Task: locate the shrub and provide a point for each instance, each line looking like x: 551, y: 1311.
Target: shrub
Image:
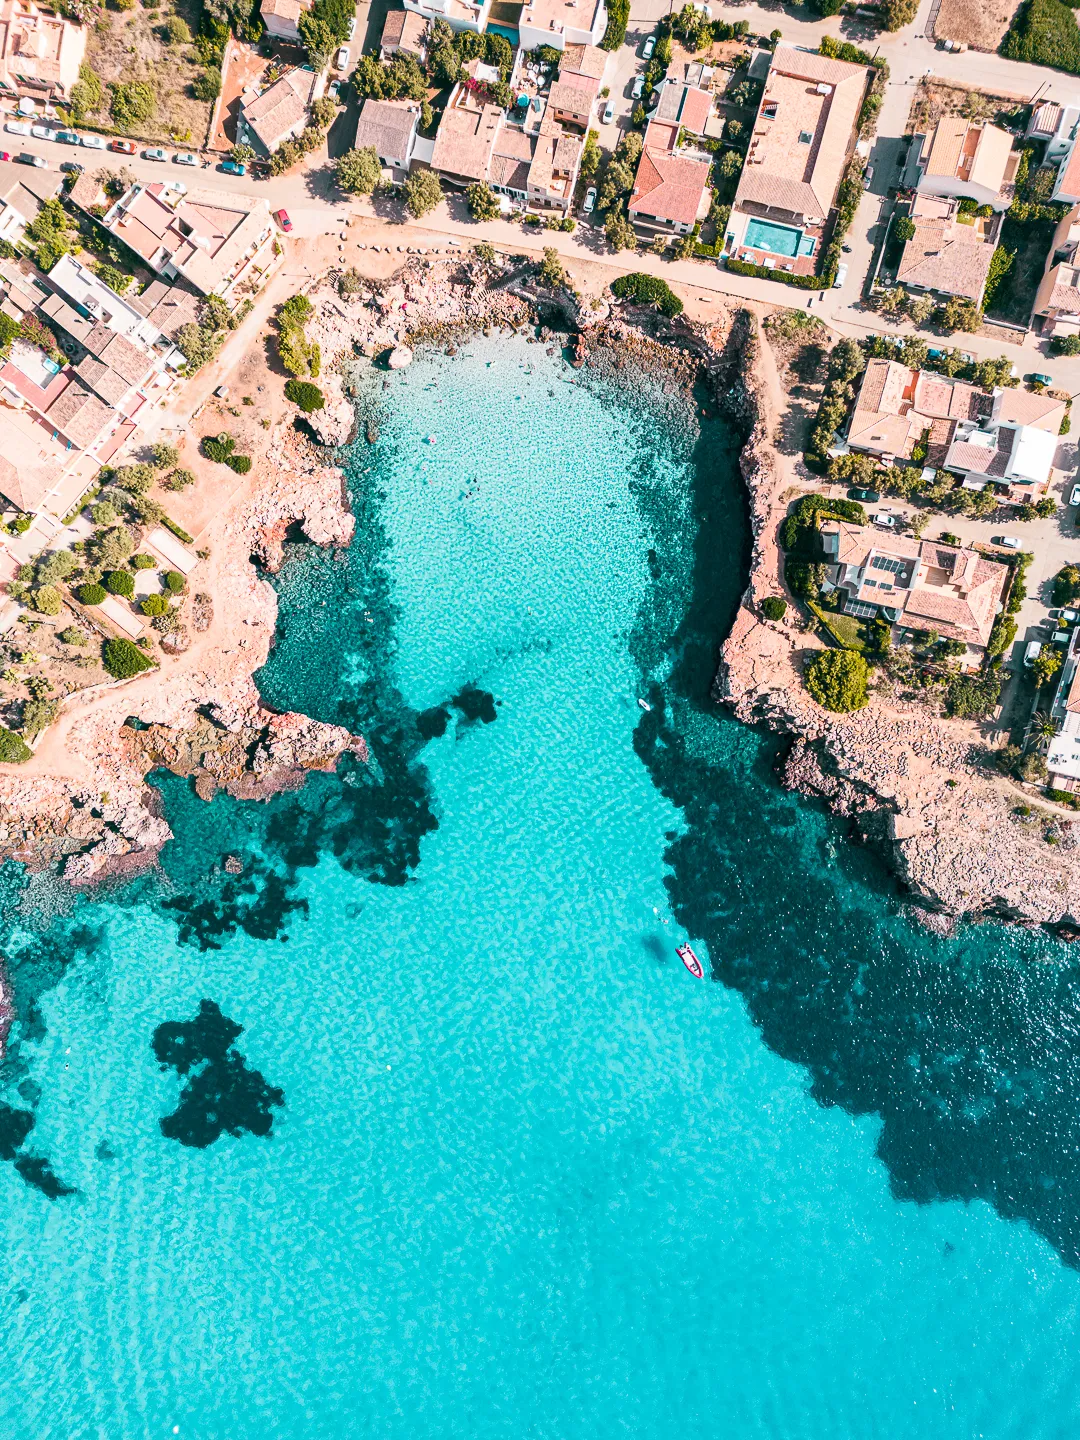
x: 135, y: 479
x: 154, y: 605
x: 973, y: 697
x: 240, y: 463
x: 207, y: 85
x: 120, y: 582
x: 837, y: 680
x: 305, y: 395
x: 358, y: 172
x: 72, y: 635
x: 179, y: 480
x: 218, y: 447
x: 422, y: 193
x: 482, y: 201
x: 37, y: 715
x: 1066, y: 585
x: 177, y: 31
x: 46, y: 600
x: 142, y: 562
x: 13, y: 749
x: 1065, y: 345
x: 904, y: 229
x: 618, y: 231
x: 645, y: 289
x: 1001, y: 636
x: 173, y: 581
x: 1044, y: 32
x: 104, y: 513
x: 618, y: 19
x: 90, y: 594
x: 551, y: 272
x: 773, y: 607
x: 163, y: 456
x: 898, y: 13
x: 134, y: 102
x: 122, y: 659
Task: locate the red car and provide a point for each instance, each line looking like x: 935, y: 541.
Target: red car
x: 123, y: 147
x: 282, y: 218
x: 4, y: 155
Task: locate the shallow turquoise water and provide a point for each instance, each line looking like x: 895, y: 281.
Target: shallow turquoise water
x: 529, y: 1177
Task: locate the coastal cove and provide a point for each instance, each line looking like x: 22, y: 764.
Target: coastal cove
x: 492, y: 1160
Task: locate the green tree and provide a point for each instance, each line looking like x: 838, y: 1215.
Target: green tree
x: 958, y: 314
x: 164, y: 456
x: 1045, y: 507
x: 317, y: 38
x: 122, y: 659
x: 1066, y: 585
x: 920, y: 308
x: 207, y: 85
x: 774, y: 607
x: 120, y: 582
x: 154, y: 605
x: 37, y: 715
x: 1046, y: 665
x: 898, y: 13
x: 323, y: 112
x: 482, y: 201
x: 90, y: 594
x: 306, y: 396
x: 1043, y: 729
x: 358, y: 172
x: 837, y: 680
x: 179, y: 480
x: 46, y: 600
x: 618, y: 231
x: 551, y: 272
x: 422, y: 193
x: 13, y: 749
x: 109, y: 548
x: 55, y: 565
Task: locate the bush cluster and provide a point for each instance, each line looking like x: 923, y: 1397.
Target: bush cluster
x: 1044, y: 32
x: 846, y: 364
x: 120, y: 582
x: 90, y: 594
x: 123, y: 658
x: 645, y: 289
x: 298, y: 355
x: 837, y: 680
x: 305, y: 395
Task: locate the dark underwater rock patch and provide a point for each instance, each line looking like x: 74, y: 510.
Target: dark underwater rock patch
x: 15, y: 1126
x: 474, y: 704
x: 224, y: 1094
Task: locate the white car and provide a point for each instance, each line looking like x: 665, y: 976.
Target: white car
x: 43, y: 132
x: 890, y: 522
x: 17, y: 127
x: 609, y: 112
x: 352, y: 29
x: 841, y: 276
x: 589, y: 203
x: 650, y: 46
x: 1007, y: 542
x: 93, y: 142
x: 185, y: 157
x: 341, y: 59
x: 639, y: 86
x: 1032, y: 653
x: 1074, y: 498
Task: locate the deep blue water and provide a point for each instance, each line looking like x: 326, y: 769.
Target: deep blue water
x: 418, y: 1128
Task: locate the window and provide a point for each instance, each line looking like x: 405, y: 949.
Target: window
x: 805, y: 138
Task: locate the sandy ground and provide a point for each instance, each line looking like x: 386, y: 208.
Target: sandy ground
x: 982, y: 23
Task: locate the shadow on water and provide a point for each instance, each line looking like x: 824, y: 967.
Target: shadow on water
x: 967, y: 1048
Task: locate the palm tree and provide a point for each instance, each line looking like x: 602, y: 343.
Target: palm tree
x: 1043, y: 729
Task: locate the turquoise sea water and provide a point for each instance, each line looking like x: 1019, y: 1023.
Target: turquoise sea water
x: 502, y: 1167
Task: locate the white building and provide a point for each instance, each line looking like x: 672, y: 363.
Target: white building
x: 458, y: 14
x: 560, y: 23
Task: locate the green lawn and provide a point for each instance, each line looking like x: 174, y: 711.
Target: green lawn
x: 846, y: 630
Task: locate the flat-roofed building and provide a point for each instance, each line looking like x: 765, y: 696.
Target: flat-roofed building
x: 962, y: 160
x: 949, y: 254
x: 560, y: 23
x: 404, y: 33
x: 803, y: 137
x: 212, y: 239
x: 1063, y: 755
x: 40, y: 51
x: 921, y: 583
x: 683, y: 105
x: 458, y: 14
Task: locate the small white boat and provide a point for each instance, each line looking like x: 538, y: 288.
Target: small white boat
x: 644, y: 704
x: 690, y: 960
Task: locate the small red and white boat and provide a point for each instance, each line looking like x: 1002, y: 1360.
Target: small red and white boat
x: 690, y: 960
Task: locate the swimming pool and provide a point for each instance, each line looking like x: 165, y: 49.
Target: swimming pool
x: 777, y: 239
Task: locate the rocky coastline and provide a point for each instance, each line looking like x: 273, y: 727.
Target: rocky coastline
x: 913, y: 785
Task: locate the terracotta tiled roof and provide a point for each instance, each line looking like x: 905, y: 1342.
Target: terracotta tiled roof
x: 669, y: 187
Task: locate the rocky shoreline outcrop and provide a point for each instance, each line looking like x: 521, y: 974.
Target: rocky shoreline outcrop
x: 960, y: 839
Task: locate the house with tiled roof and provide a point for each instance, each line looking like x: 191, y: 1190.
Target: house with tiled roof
x: 671, y: 192
x: 572, y: 98
x: 553, y: 171
x: 960, y: 159
x: 282, y: 18
x: 469, y: 15
x: 1007, y: 438
x: 404, y: 33
x: 1056, y: 310
x: 22, y: 198
x: 270, y: 117
x: 389, y: 127
x: 466, y: 137
x: 40, y: 51
x: 924, y: 584
x: 950, y: 253
x: 560, y: 23
x: 803, y: 138
x: 1063, y: 756
x: 682, y: 105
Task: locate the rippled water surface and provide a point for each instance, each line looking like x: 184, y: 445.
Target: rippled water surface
x: 418, y: 1128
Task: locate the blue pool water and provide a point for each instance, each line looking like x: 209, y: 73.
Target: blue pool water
x: 501, y: 1167
x: 777, y: 239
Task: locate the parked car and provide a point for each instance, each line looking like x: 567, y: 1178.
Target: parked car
x: 1037, y: 378
x: 351, y: 31
x: 650, y: 46
x: 43, y: 132
x: 609, y: 112
x: 1032, y: 651
x: 333, y: 90
x: 66, y: 137
x: 1007, y: 542
x: 590, y: 200
x: 71, y: 167
x: 841, y: 276
x: 94, y: 142
x: 1074, y: 498
x: 230, y: 167
x: 639, y: 86
x: 282, y: 218
x: 868, y: 177
x: 25, y: 158
x: 185, y: 157
x: 123, y: 147
x: 870, y: 496
x: 341, y: 59
x: 890, y: 522
x: 155, y: 154
x: 17, y: 127
x: 4, y: 155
